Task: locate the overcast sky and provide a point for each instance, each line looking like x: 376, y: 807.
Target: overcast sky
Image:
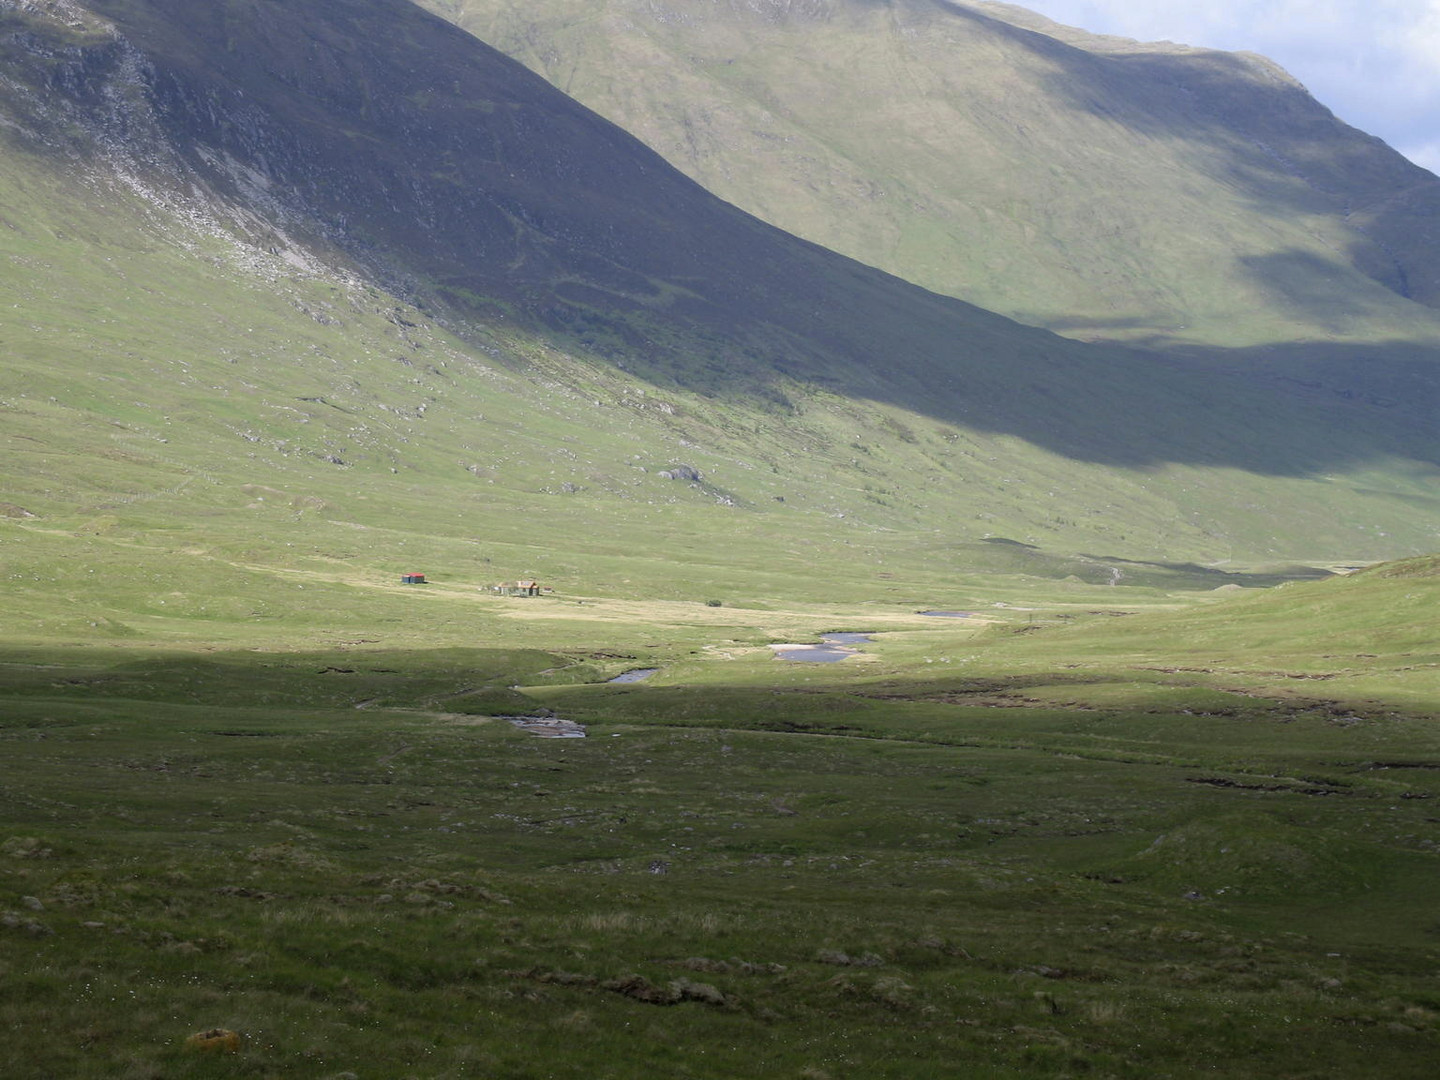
x: 1374, y: 63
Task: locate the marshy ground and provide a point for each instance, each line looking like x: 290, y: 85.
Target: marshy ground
x: 987, y: 852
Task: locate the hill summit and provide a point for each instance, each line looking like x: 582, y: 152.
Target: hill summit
x: 1102, y: 187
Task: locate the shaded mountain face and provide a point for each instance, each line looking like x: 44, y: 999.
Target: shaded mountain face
x: 368, y: 141
x: 1097, y: 186
x: 442, y: 168
x: 390, y: 139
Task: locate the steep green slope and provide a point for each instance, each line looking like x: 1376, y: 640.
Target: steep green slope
x: 254, y: 365
x: 333, y: 289
x: 1376, y: 622
x: 1097, y: 186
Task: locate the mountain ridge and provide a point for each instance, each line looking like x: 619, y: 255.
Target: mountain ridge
x: 433, y: 308
x: 845, y: 123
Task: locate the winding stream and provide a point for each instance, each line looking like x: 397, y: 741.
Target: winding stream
x: 833, y: 648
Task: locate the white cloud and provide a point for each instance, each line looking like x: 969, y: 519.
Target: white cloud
x: 1426, y: 155
x: 1374, y: 63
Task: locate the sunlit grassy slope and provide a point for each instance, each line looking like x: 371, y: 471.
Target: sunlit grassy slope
x: 1124, y: 819
x: 236, y: 341
x: 1102, y: 187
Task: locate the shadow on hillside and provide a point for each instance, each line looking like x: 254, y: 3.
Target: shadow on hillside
x: 447, y: 681
x: 1265, y: 137
x: 1292, y: 409
x: 1310, y: 288
x: 1002, y: 555
x: 452, y: 174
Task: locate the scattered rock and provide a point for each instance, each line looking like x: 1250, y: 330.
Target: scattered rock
x: 700, y: 963
x: 11, y: 920
x: 33, y: 903
x: 547, y: 727
x: 642, y: 989
x: 25, y: 847
x: 701, y: 992
x: 721, y: 967
x: 244, y: 892
x: 835, y: 956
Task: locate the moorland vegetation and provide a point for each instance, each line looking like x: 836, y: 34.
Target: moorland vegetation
x: 305, y: 297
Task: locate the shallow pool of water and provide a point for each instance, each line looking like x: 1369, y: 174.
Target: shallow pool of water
x: 638, y: 675
x: 813, y: 654
x: 835, y: 647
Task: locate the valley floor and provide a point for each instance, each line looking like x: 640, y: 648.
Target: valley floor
x: 1029, y: 846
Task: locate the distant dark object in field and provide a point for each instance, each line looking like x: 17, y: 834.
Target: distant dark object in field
x: 949, y: 614
x: 638, y: 675
x: 412, y: 579
x: 681, y: 472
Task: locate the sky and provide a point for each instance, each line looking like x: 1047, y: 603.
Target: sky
x: 1374, y: 63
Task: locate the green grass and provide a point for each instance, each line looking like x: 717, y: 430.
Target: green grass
x: 1129, y: 820
x: 1015, y: 847
x: 173, y: 385
x: 1101, y: 188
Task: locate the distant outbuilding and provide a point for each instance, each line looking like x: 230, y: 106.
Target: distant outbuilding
x: 518, y: 588
x: 412, y: 579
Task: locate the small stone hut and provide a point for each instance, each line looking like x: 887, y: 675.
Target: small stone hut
x: 518, y: 588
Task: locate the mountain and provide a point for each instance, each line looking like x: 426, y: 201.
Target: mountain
x: 332, y: 288
x: 1098, y: 186
x: 301, y: 297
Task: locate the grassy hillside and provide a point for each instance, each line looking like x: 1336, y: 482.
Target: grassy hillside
x: 1104, y: 188
x: 303, y: 297
x: 259, y: 320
